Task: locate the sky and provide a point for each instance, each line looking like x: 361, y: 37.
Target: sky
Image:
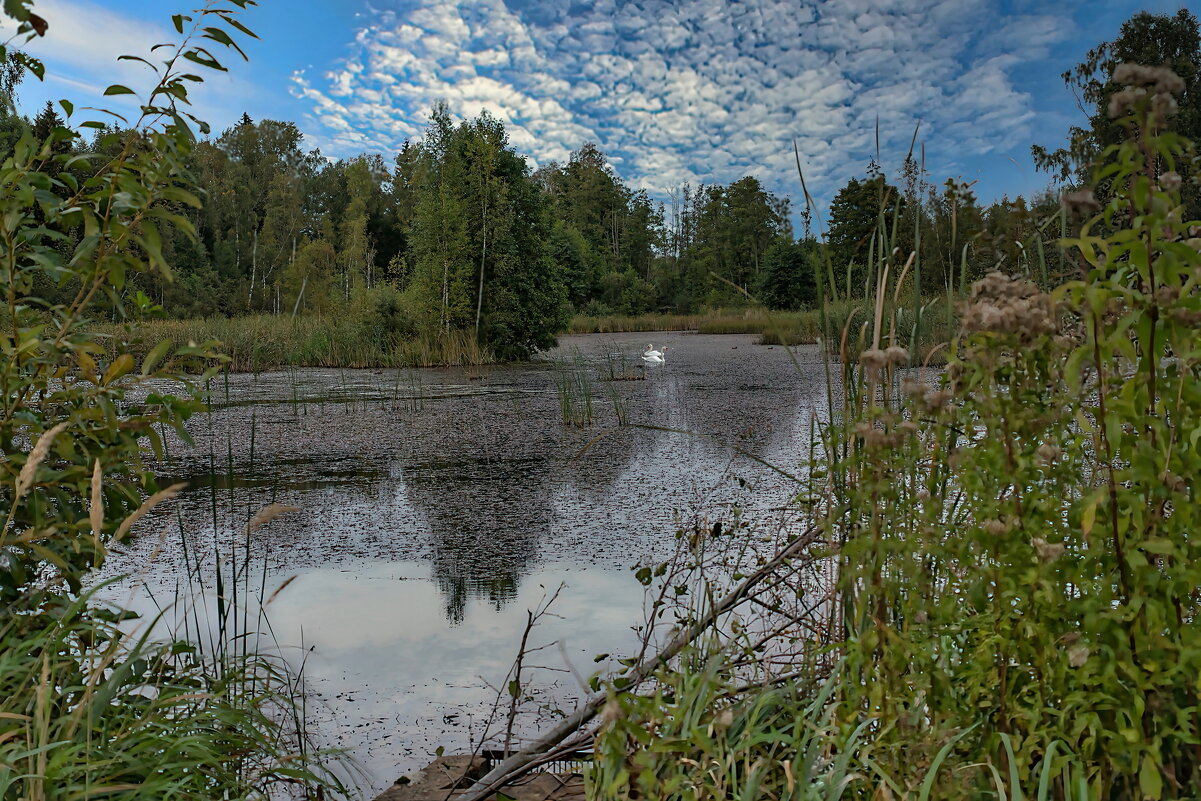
x: 673, y: 91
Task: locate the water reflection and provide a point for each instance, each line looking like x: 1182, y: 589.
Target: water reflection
x: 473, y: 487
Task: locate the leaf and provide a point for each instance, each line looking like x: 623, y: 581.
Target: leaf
x: 118, y: 89
x: 120, y: 366
x: 178, y: 20
x: 1088, y: 517
x: 155, y: 356
x: 1150, y: 782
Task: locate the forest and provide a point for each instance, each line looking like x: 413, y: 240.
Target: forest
x: 982, y: 582
x: 457, y: 233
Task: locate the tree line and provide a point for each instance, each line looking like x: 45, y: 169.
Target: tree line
x: 456, y: 231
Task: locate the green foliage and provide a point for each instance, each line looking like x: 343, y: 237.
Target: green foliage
x: 788, y: 279
x: 86, y: 709
x: 1015, y: 546
x: 1170, y: 40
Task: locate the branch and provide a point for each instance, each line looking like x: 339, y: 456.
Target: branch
x: 530, y: 756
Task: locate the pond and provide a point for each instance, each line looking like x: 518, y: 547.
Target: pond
x: 437, y: 506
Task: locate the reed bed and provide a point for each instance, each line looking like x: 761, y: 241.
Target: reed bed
x: 263, y: 342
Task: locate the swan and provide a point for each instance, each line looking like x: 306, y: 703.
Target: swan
x: 655, y: 356
x: 650, y: 351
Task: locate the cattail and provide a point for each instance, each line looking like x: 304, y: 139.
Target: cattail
x: 96, y: 512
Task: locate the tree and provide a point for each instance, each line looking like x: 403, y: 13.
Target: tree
x: 855, y: 216
x: 788, y: 280
x: 1173, y: 41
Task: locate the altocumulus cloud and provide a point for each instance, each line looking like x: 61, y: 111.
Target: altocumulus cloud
x: 693, y: 90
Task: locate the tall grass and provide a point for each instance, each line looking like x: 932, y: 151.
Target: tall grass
x: 1012, y: 596
x: 263, y: 342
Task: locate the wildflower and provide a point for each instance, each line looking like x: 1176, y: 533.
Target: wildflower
x: 1170, y: 181
x: 1048, y: 453
x: 896, y: 355
x: 873, y: 359
x: 1140, y: 81
x: 1161, y: 79
x: 995, y: 527
x: 1009, y: 305
x: 1047, y: 551
x: 1080, y: 203
x: 1121, y: 103
x: 1078, y: 655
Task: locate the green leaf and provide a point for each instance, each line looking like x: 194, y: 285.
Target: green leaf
x: 118, y: 89
x: 122, y: 365
x: 1150, y: 781
x: 155, y: 356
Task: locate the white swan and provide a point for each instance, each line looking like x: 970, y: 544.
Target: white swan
x: 651, y: 352
x: 655, y: 356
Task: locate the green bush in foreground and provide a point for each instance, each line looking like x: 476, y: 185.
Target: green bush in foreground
x: 88, y: 709
x: 1015, y: 610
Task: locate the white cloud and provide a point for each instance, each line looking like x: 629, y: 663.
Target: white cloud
x: 81, y: 49
x: 694, y: 90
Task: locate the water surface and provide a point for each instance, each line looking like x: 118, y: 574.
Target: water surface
x: 436, y: 506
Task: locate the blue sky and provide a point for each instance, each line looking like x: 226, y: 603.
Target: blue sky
x: 672, y: 90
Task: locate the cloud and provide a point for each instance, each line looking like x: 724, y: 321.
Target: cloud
x: 693, y: 90
x: 81, y: 51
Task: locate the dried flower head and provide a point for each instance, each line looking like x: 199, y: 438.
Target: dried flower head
x: 1170, y: 181
x: 896, y: 355
x: 1048, y: 453
x: 937, y: 398
x: 1080, y: 203
x: 873, y: 359
x: 1173, y: 482
x: 1047, y: 551
x: 1009, y: 305
x: 1078, y: 655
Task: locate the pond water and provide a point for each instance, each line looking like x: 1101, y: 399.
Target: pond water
x: 437, y: 506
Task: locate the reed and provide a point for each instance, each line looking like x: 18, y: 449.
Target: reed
x: 264, y: 342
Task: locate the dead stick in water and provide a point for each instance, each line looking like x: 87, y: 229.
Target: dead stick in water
x: 528, y: 758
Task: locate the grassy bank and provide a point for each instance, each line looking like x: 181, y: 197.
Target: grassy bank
x: 263, y: 342
x: 787, y: 327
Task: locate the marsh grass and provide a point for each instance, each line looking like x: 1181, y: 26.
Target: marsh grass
x: 264, y: 342
x: 574, y: 387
